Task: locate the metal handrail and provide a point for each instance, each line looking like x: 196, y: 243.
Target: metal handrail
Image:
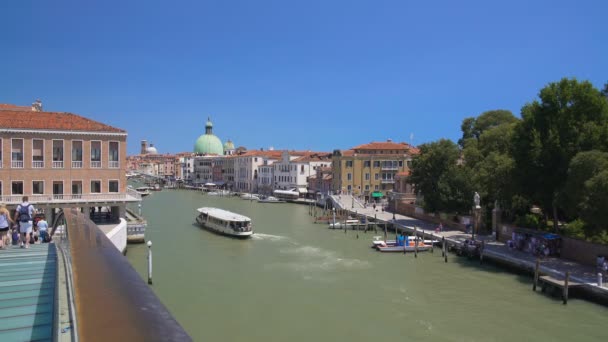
x: 113, y: 303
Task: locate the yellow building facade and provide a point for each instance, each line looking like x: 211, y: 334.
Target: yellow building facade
x: 369, y: 170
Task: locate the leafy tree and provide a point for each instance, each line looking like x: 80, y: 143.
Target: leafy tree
x: 474, y: 127
x: 583, y: 167
x: 456, y: 189
x: 428, y: 168
x: 605, y: 90
x: 571, y: 117
x: 594, y: 209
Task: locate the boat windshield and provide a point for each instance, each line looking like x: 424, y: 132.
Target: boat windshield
x: 240, y: 226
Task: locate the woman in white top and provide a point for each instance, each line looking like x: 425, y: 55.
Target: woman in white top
x: 5, y: 223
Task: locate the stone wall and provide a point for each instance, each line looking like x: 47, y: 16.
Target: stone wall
x: 573, y: 249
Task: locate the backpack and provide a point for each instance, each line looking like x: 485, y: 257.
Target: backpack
x: 24, y: 213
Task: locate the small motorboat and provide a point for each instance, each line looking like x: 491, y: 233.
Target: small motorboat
x: 270, y: 199
x: 379, y: 240
x: 350, y: 223
x: 252, y: 197
x: 143, y: 191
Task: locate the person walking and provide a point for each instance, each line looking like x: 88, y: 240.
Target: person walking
x: 43, y: 227
x: 24, y: 215
x: 5, y: 224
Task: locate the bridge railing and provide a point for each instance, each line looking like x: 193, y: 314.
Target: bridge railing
x: 110, y: 300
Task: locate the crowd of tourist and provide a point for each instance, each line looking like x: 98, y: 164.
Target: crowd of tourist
x: 25, y: 227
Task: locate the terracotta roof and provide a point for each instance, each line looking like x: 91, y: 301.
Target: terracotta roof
x: 313, y: 157
x: 388, y: 145
x: 52, y: 121
x: 6, y: 106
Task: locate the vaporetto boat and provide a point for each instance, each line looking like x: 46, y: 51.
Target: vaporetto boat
x: 224, y: 222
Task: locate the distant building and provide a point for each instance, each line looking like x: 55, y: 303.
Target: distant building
x: 62, y: 160
x: 370, y: 170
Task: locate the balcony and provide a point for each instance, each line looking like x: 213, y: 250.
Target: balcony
x: 389, y: 168
x: 77, y: 165
x: 129, y: 196
x: 57, y: 164
x: 96, y: 164
x: 17, y: 164
x: 388, y: 181
x: 113, y: 164
x: 38, y: 164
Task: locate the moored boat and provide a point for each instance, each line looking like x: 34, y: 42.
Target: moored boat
x: 224, y: 222
x: 252, y: 197
x: 270, y: 199
x: 352, y: 223
x: 379, y: 241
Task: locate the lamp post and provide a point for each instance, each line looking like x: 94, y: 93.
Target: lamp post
x: 394, y: 205
x: 476, y: 210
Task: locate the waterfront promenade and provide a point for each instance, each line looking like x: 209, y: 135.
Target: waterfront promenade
x: 496, y: 250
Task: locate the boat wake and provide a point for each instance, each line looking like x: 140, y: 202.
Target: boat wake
x: 309, y: 259
x: 268, y: 237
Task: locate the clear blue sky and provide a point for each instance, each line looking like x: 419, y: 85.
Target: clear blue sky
x: 294, y: 74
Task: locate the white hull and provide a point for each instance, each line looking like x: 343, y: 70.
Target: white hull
x: 402, y: 249
x: 222, y: 229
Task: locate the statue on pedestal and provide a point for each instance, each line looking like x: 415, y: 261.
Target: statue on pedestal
x: 476, y: 200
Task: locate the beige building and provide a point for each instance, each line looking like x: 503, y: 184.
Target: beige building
x: 62, y: 160
x: 370, y: 170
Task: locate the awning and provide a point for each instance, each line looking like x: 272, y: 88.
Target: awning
x: 209, y: 184
x: 377, y: 194
x: 302, y: 190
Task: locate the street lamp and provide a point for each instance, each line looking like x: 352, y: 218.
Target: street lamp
x: 476, y: 210
x: 394, y: 205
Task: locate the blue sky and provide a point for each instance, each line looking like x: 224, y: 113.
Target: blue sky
x: 310, y: 74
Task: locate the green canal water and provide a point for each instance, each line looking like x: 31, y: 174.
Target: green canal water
x: 299, y: 281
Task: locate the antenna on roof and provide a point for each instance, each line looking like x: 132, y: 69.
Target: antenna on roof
x: 412, y: 139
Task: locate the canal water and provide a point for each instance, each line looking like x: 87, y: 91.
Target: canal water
x: 299, y: 281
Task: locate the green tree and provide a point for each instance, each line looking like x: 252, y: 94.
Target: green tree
x: 583, y: 167
x: 571, y: 117
x: 605, y: 90
x: 428, y: 168
x: 594, y: 209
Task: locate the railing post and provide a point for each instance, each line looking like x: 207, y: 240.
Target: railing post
x: 150, y: 262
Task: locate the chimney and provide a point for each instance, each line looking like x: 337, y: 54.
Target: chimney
x: 37, y: 106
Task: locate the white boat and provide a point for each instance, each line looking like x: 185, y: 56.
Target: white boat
x: 219, y: 193
x: 403, y: 249
x: 379, y: 241
x: 252, y: 197
x: 270, y: 199
x: 143, y: 191
x: 352, y: 223
x: 292, y: 194
x: 224, y: 222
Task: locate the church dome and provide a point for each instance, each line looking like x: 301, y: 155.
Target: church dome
x: 228, y: 145
x: 208, y: 143
x: 151, y: 150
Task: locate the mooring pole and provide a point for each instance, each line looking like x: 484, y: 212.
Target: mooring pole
x: 150, y: 262
x: 565, y: 295
x: 536, y: 269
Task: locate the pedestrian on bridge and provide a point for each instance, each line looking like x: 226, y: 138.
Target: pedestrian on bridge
x: 5, y: 224
x: 25, y: 215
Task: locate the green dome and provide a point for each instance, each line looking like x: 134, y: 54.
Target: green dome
x: 208, y: 143
x: 228, y: 145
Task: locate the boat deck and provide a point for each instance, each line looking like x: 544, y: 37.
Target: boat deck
x: 28, y: 279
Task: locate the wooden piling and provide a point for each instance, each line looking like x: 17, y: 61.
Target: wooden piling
x: 536, y: 269
x: 565, y: 295
x: 481, y: 252
x: 443, y: 246
x: 415, y: 242
x: 445, y: 250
